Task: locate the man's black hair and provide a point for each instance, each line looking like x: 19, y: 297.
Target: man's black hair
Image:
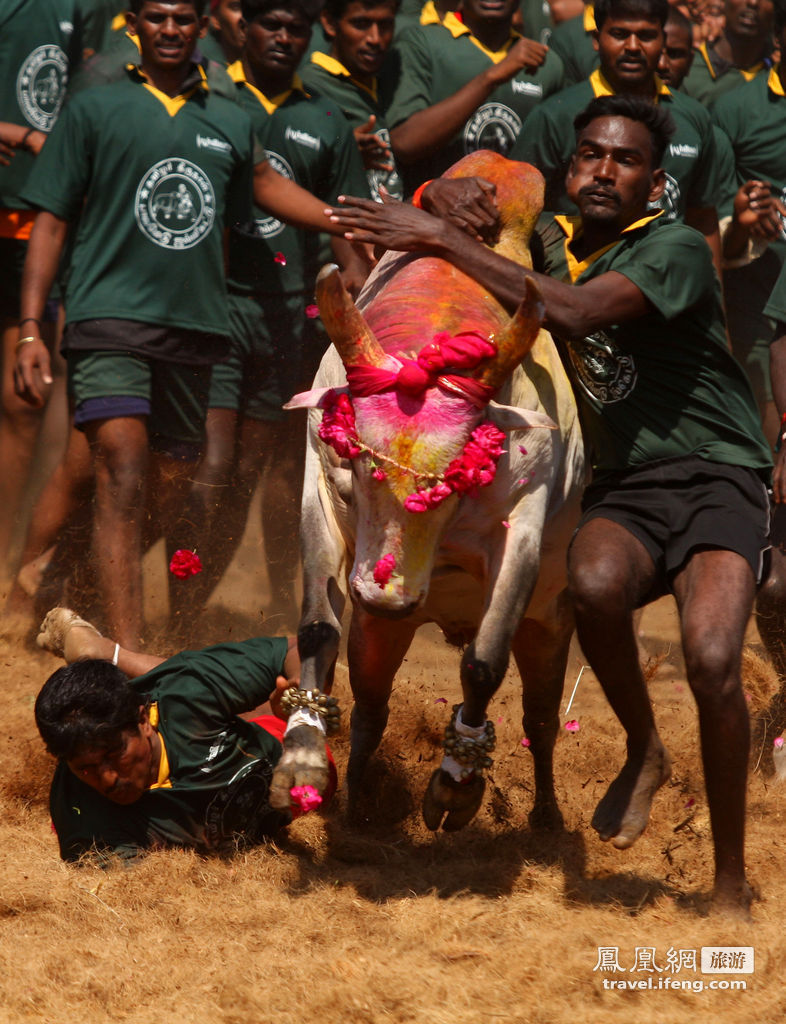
x: 649, y: 10
x: 779, y: 16
x: 657, y: 120
x: 255, y: 8
x: 135, y: 6
x: 85, y: 706
x: 677, y: 17
x: 334, y: 9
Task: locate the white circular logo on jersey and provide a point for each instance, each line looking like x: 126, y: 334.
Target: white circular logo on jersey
x: 604, y: 372
x: 492, y: 126
x: 781, y: 218
x: 669, y: 202
x: 175, y: 204
x: 40, y: 86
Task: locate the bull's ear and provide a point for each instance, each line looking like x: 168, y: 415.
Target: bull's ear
x: 313, y: 399
x: 516, y: 339
x: 345, y: 324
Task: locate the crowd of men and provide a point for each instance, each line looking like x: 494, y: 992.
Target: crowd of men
x: 166, y: 205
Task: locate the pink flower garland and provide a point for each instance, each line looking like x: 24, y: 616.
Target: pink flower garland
x: 475, y: 467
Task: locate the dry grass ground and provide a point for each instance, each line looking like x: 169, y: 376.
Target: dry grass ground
x: 390, y: 923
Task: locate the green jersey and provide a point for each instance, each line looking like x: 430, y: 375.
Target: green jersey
x: 572, y: 42
x: 536, y: 20
x: 210, y: 47
x: 40, y: 46
x: 692, y: 176
x: 215, y: 767
x: 151, y: 182
x: 326, y: 76
x: 776, y: 304
x: 308, y: 140
x: 103, y: 21
x: 663, y: 385
x: 436, y: 61
x: 711, y: 76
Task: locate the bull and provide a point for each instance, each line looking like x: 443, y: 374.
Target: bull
x: 443, y: 476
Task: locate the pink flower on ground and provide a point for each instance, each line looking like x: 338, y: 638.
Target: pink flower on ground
x: 185, y: 563
x: 525, y: 741
x: 383, y: 570
x: 312, y: 311
x: 440, y: 700
x: 280, y: 258
x: 778, y: 743
x: 689, y: 803
x: 303, y: 799
x: 572, y: 725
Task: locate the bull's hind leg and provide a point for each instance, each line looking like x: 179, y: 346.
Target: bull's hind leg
x: 375, y: 650
x: 541, y: 653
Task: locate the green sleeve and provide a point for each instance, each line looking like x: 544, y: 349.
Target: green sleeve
x: 708, y: 185
x: 61, y: 174
x: 776, y: 304
x: 346, y: 174
x: 658, y: 268
x: 227, y: 679
x: 727, y: 173
x: 543, y: 143
x: 240, y: 189
x: 415, y: 90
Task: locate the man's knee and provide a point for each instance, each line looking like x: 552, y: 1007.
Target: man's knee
x: 599, y: 584
x: 712, y: 660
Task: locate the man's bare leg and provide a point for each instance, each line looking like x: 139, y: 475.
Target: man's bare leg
x: 119, y: 447
x: 715, y: 594
x: 609, y: 574
x: 72, y: 638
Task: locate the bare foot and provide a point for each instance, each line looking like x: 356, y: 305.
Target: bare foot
x: 623, y: 813
x: 732, y: 898
x: 64, y: 633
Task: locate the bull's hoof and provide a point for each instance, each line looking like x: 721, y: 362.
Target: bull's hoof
x: 458, y: 802
x: 546, y: 818
x: 303, y: 763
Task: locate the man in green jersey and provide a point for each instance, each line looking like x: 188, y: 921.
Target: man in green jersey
x: 463, y: 86
x: 737, y: 56
x: 678, y: 502
x: 352, y: 75
x: 156, y: 752
x: 629, y: 38
x: 572, y: 42
x: 277, y: 340
x: 224, y: 40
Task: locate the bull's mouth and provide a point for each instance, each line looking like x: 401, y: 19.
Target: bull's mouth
x: 383, y: 611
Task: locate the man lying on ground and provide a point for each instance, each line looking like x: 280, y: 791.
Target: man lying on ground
x: 152, y: 752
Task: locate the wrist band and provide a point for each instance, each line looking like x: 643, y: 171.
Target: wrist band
x: 116, y: 655
x: 417, y: 197
x: 24, y: 341
x: 29, y: 319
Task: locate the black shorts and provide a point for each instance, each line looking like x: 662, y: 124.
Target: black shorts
x: 676, y: 507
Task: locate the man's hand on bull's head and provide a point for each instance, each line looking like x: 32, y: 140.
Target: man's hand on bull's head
x: 389, y: 224
x: 469, y: 203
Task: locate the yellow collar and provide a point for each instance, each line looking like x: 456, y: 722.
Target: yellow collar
x: 457, y: 29
x: 271, y: 105
x: 118, y: 22
x: 747, y: 73
x: 429, y: 16
x: 602, y: 87
x: 571, y: 226
x: 589, y: 18
x: 196, y: 81
x: 163, y: 781
x: 774, y: 81
x: 335, y: 67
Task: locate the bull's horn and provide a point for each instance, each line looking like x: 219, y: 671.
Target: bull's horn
x: 516, y: 339
x: 345, y: 324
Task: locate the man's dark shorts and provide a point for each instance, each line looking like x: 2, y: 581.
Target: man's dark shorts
x: 676, y: 507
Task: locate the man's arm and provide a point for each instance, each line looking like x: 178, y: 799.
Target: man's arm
x: 705, y: 220
x: 32, y: 373
x: 288, y: 201
x: 427, y: 131
x: 570, y: 312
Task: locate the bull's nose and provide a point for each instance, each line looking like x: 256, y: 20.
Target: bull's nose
x: 383, y: 610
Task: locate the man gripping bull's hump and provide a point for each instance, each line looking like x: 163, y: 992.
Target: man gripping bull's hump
x: 678, y: 501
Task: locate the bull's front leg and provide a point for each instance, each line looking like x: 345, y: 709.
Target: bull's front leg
x: 375, y: 650
x: 456, y: 789
x: 541, y: 652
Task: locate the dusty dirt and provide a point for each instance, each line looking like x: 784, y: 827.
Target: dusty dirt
x: 390, y: 923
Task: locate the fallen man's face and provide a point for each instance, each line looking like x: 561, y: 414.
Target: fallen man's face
x: 121, y: 773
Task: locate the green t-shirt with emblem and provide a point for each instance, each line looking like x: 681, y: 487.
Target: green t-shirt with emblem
x: 308, y: 140
x: 40, y: 47
x: 215, y: 767
x: 326, y: 76
x: 437, y: 61
x: 152, y: 183
x: 572, y: 42
x: 663, y: 385
x: 710, y: 77
x: 548, y: 141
